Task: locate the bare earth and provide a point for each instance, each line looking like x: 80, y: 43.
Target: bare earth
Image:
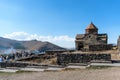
x: 112, y: 73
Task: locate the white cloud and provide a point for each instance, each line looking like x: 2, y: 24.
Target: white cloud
x: 64, y: 40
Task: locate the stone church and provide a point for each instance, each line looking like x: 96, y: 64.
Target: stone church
x: 118, y: 43
x: 92, y: 40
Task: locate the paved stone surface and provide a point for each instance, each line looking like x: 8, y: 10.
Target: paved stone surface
x: 32, y: 69
x: 8, y: 70
x: 105, y: 64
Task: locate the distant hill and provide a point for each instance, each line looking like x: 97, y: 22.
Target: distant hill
x: 39, y: 45
x: 31, y: 45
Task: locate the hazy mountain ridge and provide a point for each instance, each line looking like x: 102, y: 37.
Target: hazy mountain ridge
x: 6, y: 43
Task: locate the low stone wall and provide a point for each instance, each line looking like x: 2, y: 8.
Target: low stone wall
x: 63, y: 59
x: 15, y: 64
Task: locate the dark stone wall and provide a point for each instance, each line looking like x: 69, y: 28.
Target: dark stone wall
x: 63, y: 59
x: 118, y: 43
x: 100, y: 47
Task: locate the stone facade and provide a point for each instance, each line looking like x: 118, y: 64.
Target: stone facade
x: 118, y: 43
x: 91, y: 40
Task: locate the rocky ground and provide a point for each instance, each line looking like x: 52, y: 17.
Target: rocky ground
x: 111, y: 73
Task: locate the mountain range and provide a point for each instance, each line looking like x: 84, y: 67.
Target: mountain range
x: 6, y: 43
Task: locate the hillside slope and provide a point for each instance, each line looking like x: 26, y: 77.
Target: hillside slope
x: 41, y: 46
x: 31, y: 45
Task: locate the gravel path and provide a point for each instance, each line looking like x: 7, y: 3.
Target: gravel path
x: 112, y: 73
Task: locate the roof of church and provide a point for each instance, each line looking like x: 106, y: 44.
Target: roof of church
x: 102, y: 35
x: 80, y: 35
x: 91, y: 26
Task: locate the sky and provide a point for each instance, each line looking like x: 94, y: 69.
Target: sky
x: 58, y: 21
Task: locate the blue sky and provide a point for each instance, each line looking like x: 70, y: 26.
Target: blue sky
x: 58, y: 21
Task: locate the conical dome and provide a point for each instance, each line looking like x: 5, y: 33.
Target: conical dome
x: 92, y: 26
x: 91, y: 29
